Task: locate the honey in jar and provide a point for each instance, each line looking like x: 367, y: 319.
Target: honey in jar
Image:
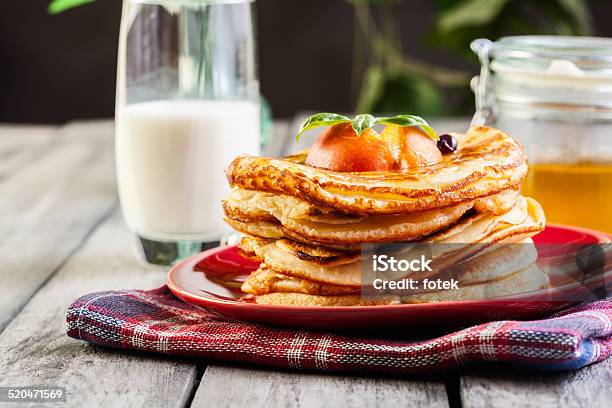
x: 554, y: 95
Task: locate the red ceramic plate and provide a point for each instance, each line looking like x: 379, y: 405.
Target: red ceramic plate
x: 215, y: 286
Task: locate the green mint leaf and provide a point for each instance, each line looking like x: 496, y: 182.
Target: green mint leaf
x: 365, y: 121
x: 57, y: 6
x: 470, y: 13
x: 321, y: 119
x: 362, y: 122
x: 409, y: 120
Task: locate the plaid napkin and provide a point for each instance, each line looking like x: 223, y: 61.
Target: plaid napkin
x: 157, y: 321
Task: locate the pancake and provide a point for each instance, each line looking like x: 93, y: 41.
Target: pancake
x: 253, y: 246
x: 477, y: 226
x: 525, y: 220
x: 302, y: 299
x: 271, y: 230
x: 527, y: 280
x: 497, y: 204
x: 335, y: 267
x: 494, y: 263
x: 509, y: 230
x: 250, y: 205
x: 281, y: 257
x: 338, y: 267
x: 294, y: 273
x: 524, y: 281
x: 477, y: 232
x: 487, y: 162
x: 256, y: 213
x: 249, y: 211
x: 261, y: 229
x: 264, y: 281
x: 476, y: 263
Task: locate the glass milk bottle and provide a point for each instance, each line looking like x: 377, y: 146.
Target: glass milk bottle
x: 554, y: 94
x: 187, y: 105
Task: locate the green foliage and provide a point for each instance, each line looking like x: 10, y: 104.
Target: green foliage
x: 470, y: 13
x: 57, y: 6
x: 364, y: 121
x: 409, y: 120
x: 392, y: 81
x: 580, y: 12
x: 321, y: 119
x: 454, y: 32
x: 401, y: 90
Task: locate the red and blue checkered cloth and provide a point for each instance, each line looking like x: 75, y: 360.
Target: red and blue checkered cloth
x: 157, y: 321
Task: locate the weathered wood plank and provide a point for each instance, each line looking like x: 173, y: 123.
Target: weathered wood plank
x: 34, y: 348
x: 49, y: 207
x: 223, y: 386
x: 21, y: 145
x: 588, y: 387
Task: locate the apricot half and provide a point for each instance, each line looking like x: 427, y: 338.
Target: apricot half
x: 339, y: 148
x: 410, y: 147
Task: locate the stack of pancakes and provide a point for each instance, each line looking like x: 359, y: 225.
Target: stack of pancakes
x: 308, y: 225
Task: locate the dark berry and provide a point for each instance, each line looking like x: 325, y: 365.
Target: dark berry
x: 447, y: 144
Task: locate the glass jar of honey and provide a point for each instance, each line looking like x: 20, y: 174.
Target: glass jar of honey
x: 554, y: 94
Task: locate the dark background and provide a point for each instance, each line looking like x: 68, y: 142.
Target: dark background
x: 57, y: 68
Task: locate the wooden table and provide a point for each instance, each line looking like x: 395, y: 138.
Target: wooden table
x: 61, y: 236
